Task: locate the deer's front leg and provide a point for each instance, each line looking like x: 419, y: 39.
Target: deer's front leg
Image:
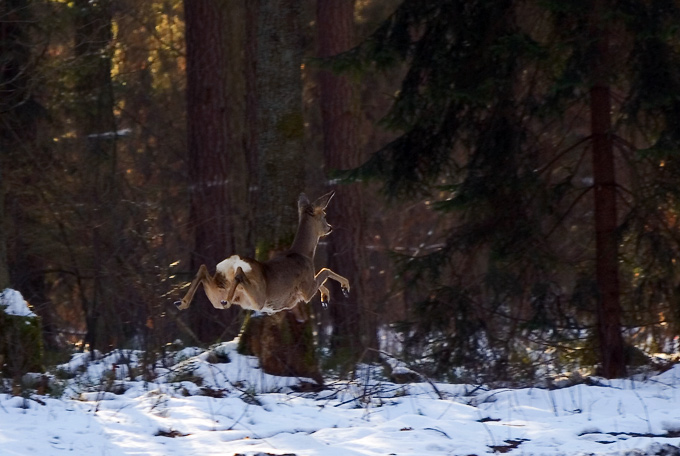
x: 325, y: 274
x: 201, y: 275
x: 324, y: 295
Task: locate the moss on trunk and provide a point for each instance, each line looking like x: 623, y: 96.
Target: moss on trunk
x: 21, y: 348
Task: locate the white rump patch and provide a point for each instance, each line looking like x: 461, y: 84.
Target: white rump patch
x: 229, y: 266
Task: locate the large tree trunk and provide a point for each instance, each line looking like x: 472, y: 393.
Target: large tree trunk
x: 283, y: 345
x: 4, y: 269
x: 18, y: 126
x: 280, y: 128
x: 354, y: 324
x: 218, y: 171
x: 21, y: 264
x: 604, y: 176
x: 17, y: 118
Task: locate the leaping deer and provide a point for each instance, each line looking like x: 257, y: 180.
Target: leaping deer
x: 280, y: 283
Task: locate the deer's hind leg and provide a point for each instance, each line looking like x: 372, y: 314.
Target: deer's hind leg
x: 246, y: 291
x: 201, y: 276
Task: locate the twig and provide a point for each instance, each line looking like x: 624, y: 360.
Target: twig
x: 424, y: 377
x: 438, y: 430
x: 245, y: 410
x: 183, y: 326
x: 644, y: 407
x: 488, y: 429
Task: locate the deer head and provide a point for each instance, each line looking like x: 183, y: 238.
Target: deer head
x: 312, y: 224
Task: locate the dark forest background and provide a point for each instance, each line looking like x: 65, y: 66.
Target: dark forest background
x: 506, y: 176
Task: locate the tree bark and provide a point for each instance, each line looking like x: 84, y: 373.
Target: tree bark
x: 218, y: 171
x: 354, y: 324
x: 21, y: 264
x: 17, y: 121
x: 4, y: 268
x: 96, y: 126
x: 280, y: 128
x: 283, y: 345
x: 604, y: 176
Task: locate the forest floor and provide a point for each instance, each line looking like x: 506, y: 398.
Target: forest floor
x: 205, y: 402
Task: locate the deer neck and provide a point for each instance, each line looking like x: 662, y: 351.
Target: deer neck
x: 305, y: 240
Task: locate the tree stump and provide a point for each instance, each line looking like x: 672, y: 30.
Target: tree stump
x: 21, y: 347
x: 264, y: 335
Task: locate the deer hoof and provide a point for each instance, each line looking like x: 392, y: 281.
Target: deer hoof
x: 178, y: 304
x: 324, y: 303
x: 345, y: 291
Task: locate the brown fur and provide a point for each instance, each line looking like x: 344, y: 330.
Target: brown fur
x: 278, y: 284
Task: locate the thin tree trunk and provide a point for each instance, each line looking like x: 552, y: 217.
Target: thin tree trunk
x: 97, y: 125
x: 218, y: 171
x: 354, y: 325
x: 604, y: 175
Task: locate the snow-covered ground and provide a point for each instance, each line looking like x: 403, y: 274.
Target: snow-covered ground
x: 218, y: 402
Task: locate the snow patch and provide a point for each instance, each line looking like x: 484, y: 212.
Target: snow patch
x: 13, y: 303
x: 193, y: 401
x: 111, y: 134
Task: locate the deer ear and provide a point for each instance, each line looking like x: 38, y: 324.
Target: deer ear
x: 323, y: 201
x: 303, y: 201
